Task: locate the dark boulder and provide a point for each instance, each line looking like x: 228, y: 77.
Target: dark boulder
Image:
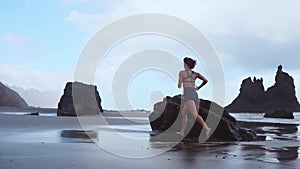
x: 33, y: 114
x: 10, y: 98
x: 166, y: 117
x: 79, y: 99
x: 280, y: 114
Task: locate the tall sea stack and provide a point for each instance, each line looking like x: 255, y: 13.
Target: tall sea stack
x: 281, y: 97
x: 79, y: 99
x: 251, y: 98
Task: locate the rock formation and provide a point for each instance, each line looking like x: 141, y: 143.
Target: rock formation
x: 79, y: 99
x: 280, y: 114
x: 281, y: 97
x: 166, y: 116
x: 251, y: 98
x: 10, y: 98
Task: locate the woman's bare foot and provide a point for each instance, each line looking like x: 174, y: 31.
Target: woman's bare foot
x: 208, y: 132
x: 180, y: 133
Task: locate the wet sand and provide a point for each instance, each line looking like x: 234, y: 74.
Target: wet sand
x: 28, y: 142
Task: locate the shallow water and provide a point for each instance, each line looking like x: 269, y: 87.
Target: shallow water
x: 53, y: 114
x: 259, y: 117
x: 281, y: 145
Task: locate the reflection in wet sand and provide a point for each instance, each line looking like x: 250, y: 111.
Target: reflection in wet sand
x: 282, y: 148
x: 270, y: 154
x: 287, y: 154
x: 282, y: 145
x: 79, y: 136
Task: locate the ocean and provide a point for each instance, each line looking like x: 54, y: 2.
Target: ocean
x: 244, y: 117
x: 26, y: 113
x: 259, y: 117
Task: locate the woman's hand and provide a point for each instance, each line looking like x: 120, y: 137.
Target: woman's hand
x: 204, y: 81
x: 179, y: 85
x: 179, y: 79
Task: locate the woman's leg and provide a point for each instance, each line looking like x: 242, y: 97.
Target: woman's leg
x: 184, y: 120
x: 191, y: 107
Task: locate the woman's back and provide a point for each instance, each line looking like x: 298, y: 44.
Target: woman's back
x: 188, y: 78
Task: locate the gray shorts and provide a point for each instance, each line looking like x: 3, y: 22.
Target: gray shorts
x: 189, y: 93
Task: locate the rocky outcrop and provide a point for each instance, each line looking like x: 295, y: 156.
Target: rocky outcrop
x: 251, y: 98
x: 280, y: 114
x: 166, y: 117
x: 10, y: 98
x: 281, y: 97
x: 79, y: 99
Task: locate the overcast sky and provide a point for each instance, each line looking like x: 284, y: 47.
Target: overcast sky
x: 41, y: 41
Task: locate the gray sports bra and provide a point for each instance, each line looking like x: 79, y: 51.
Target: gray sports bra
x: 189, y: 78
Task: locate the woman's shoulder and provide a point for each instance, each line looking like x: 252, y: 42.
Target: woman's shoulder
x: 197, y: 74
x: 182, y: 71
x: 194, y: 72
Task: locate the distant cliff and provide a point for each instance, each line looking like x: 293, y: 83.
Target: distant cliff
x: 37, y: 98
x: 253, y: 98
x: 10, y: 98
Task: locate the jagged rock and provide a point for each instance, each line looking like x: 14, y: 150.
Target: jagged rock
x: 251, y: 98
x: 10, y: 98
x: 281, y: 97
x: 166, y: 116
x: 79, y: 99
x: 280, y: 114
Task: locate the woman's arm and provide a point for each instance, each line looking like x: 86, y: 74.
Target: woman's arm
x: 179, y: 80
x: 204, y: 80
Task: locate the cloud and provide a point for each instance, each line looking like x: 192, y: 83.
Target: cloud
x: 85, y: 22
x: 12, y: 39
x: 251, y: 36
x: 226, y: 57
x: 296, y: 75
x: 273, y: 21
x: 27, y: 77
x: 260, y: 34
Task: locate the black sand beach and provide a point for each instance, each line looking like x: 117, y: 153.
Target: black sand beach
x: 29, y: 142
